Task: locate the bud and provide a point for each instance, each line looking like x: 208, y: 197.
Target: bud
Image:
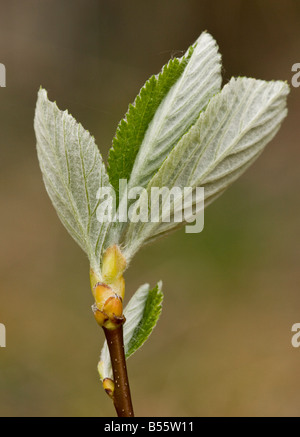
x: 113, y: 264
x: 109, y: 386
x: 108, y: 307
x: 100, y: 316
x: 109, y: 291
x: 118, y: 286
x: 113, y: 307
x: 94, y: 279
x: 101, y: 293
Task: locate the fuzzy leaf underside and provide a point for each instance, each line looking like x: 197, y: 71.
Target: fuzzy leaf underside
x: 180, y: 108
x: 73, y: 172
x: 142, y: 313
x: 131, y: 130
x: 228, y: 136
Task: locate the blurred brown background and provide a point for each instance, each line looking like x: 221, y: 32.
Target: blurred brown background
x: 223, y: 344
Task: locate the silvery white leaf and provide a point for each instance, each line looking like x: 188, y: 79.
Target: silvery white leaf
x: 200, y: 80
x: 228, y: 136
x: 73, y: 173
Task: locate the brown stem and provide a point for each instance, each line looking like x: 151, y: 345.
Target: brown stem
x: 121, y: 396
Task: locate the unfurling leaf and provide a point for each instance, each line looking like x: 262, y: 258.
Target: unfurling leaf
x: 227, y: 137
x: 152, y: 311
x: 199, y: 81
x: 73, y: 172
x: 131, y: 130
x: 165, y: 108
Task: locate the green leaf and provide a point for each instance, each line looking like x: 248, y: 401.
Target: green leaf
x: 148, y: 140
x: 228, y: 136
x: 142, y: 313
x: 180, y: 108
x: 148, y: 321
x: 131, y: 130
x: 73, y: 174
